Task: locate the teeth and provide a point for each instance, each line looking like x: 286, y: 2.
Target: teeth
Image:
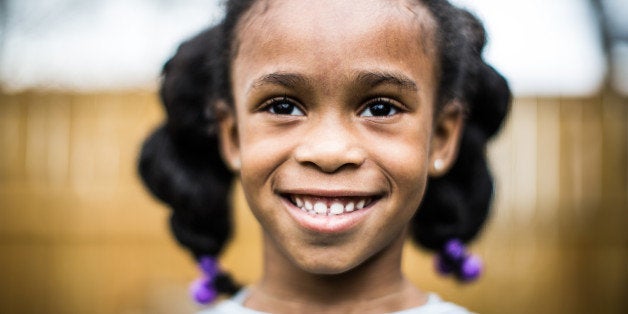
x: 349, y: 207
x: 319, y: 207
x: 336, y: 208
x: 360, y: 204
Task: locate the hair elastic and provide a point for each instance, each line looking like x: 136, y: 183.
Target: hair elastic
x: 203, y: 290
x: 453, y: 258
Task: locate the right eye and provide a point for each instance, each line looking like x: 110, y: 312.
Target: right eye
x: 283, y: 106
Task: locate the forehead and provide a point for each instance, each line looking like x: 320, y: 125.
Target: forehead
x: 329, y: 36
x: 333, y: 19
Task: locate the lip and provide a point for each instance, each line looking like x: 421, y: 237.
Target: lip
x: 328, y: 224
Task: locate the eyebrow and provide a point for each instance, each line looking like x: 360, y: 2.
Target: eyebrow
x: 374, y: 79
x: 367, y: 78
x: 289, y: 80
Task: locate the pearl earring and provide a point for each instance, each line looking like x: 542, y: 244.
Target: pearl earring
x: 439, y: 164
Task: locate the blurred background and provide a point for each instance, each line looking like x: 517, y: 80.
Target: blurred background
x: 79, y: 233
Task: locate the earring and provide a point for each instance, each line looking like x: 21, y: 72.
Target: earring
x: 439, y: 164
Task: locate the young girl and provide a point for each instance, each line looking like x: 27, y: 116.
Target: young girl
x: 351, y: 124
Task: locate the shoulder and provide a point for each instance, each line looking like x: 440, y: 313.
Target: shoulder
x: 435, y: 305
x: 228, y: 307
x: 234, y: 305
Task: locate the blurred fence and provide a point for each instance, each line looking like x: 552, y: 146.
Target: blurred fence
x: 79, y: 234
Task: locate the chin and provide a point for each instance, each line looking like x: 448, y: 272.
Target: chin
x: 329, y: 269
x: 327, y: 261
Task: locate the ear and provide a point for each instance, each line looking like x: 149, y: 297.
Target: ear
x: 228, y: 135
x: 448, y: 127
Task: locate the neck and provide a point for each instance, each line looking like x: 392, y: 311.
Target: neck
x: 375, y: 286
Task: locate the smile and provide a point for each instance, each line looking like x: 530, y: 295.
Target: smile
x: 330, y: 212
x: 329, y: 206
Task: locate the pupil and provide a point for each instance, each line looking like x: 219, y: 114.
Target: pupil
x: 283, y: 108
x: 380, y: 110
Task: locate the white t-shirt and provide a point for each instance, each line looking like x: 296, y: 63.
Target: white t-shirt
x: 434, y: 305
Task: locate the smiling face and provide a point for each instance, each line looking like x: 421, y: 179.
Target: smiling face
x: 334, y: 129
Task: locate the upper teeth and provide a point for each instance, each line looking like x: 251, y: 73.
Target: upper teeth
x: 322, y: 207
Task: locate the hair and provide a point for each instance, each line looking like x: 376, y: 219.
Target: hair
x: 180, y: 161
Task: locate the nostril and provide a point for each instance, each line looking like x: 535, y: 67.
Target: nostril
x: 331, y: 156
x: 331, y: 144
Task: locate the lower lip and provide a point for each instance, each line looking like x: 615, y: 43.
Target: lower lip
x: 328, y: 224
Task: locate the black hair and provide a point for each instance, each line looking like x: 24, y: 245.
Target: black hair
x: 181, y: 165
x: 180, y: 162
x: 457, y: 204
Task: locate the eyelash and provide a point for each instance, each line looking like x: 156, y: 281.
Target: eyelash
x: 390, y: 106
x: 269, y: 106
x: 289, y: 106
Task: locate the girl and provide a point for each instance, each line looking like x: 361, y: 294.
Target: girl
x: 350, y: 124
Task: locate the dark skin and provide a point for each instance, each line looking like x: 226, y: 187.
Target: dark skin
x: 334, y: 106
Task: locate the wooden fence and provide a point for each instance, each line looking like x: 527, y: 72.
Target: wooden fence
x: 79, y: 234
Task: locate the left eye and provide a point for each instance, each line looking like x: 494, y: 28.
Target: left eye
x: 283, y: 106
x: 379, y: 108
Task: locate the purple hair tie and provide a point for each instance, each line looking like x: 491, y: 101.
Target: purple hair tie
x: 202, y: 289
x: 453, y: 258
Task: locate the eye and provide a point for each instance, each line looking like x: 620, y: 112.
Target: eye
x: 283, y: 106
x: 379, y: 108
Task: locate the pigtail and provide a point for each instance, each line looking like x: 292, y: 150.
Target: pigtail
x: 456, y: 205
x: 180, y: 162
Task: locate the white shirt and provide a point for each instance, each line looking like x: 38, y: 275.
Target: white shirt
x: 434, y: 305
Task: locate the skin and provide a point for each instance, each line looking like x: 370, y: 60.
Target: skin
x: 336, y: 99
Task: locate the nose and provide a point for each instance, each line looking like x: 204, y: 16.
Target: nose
x: 331, y: 145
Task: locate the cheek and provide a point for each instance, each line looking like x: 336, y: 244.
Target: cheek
x: 404, y: 158
x: 405, y: 155
x: 404, y: 162
x: 262, y: 150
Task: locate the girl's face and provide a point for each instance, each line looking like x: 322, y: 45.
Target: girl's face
x: 334, y: 127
